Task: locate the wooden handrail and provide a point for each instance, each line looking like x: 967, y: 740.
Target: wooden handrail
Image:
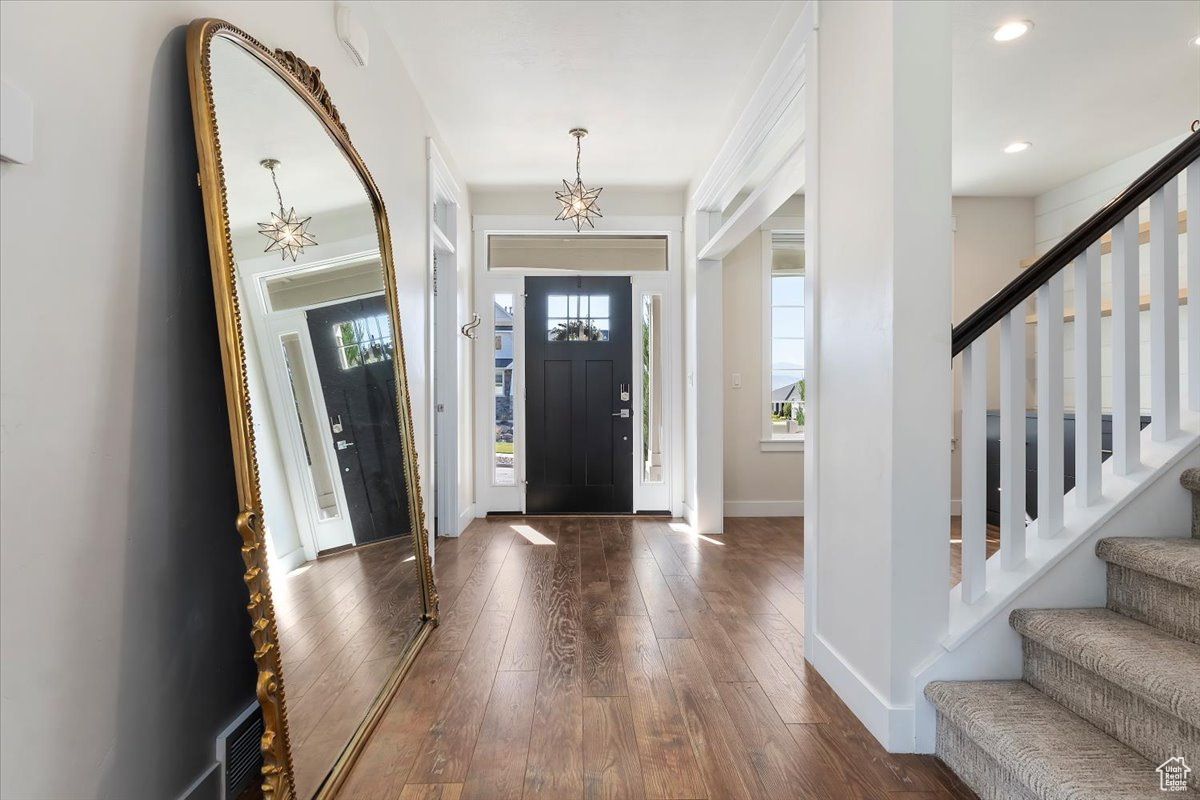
x: 1073, y: 244
x: 1106, y: 239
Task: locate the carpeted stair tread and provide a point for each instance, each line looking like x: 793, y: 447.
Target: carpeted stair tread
x: 1054, y: 753
x: 1191, y: 480
x: 1175, y: 560
x: 1153, y: 665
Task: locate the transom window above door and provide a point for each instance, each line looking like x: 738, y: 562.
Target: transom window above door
x: 577, y: 318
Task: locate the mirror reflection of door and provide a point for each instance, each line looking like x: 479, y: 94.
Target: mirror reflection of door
x: 579, y: 394
x: 352, y: 343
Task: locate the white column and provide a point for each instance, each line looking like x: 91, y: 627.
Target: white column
x: 705, y: 388
x: 885, y: 396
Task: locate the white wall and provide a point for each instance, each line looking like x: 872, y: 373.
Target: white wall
x: 122, y: 620
x: 992, y: 235
x: 881, y: 276
x: 756, y: 483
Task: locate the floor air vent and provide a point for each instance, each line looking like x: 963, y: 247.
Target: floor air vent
x: 239, y: 753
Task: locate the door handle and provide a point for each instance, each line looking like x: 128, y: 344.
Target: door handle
x: 342, y: 444
x: 623, y: 413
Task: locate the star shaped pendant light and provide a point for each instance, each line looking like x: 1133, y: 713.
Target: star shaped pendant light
x: 286, y: 231
x: 578, y: 201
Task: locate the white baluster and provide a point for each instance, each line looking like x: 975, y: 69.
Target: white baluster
x: 1087, y: 377
x: 974, y: 471
x: 1050, y: 464
x: 1012, y: 438
x: 1164, y: 312
x: 1126, y: 328
x: 1193, y: 284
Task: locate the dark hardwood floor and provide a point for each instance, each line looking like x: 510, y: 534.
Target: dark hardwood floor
x: 620, y: 658
x: 343, y: 621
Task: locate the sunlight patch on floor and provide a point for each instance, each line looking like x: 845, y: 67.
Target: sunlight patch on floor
x: 684, y: 528
x: 532, y: 535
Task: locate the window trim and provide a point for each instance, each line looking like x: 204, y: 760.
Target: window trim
x: 772, y: 441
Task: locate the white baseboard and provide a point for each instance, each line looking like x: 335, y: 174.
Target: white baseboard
x: 465, y: 518
x: 764, y: 508
x: 956, y: 508
x: 891, y: 725
x: 289, y: 561
x: 206, y: 787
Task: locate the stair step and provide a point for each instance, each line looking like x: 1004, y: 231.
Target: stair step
x: 1153, y: 665
x: 1191, y: 481
x: 1174, y: 560
x: 1155, y: 581
x: 1039, y: 745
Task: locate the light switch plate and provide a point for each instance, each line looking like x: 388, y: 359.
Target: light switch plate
x: 737, y: 380
x: 16, y: 125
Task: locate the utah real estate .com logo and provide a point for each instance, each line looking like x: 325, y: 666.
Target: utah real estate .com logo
x: 1173, y: 774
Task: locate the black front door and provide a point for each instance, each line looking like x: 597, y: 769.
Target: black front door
x: 353, y: 346
x: 579, y: 395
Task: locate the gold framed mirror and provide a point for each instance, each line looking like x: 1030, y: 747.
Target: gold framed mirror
x: 340, y: 580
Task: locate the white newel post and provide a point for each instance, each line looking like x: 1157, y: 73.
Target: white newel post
x: 884, y: 389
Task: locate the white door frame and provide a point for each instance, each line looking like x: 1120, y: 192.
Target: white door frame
x: 667, y: 496
x: 267, y: 328
x: 443, y: 202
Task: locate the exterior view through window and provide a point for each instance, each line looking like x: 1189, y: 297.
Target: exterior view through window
x: 502, y: 471
x: 785, y: 403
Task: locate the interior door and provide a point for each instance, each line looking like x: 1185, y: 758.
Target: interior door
x: 579, y: 395
x: 352, y: 343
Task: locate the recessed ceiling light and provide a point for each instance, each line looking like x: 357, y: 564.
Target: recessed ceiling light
x: 1012, y: 30
x: 1017, y: 147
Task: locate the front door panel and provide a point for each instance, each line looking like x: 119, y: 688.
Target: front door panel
x: 579, y: 395
x: 352, y: 343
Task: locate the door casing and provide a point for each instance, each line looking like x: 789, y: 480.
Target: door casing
x: 666, y: 495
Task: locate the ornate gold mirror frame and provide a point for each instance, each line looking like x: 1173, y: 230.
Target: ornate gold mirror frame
x: 305, y: 81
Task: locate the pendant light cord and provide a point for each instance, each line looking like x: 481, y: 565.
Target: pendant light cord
x: 278, y: 194
x: 578, y: 151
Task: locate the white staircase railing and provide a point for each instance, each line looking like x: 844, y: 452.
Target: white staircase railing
x: 1109, y: 379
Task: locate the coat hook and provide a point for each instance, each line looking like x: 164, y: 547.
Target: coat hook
x: 468, y: 330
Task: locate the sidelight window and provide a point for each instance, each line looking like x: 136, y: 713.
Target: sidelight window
x: 577, y: 318
x: 503, y: 455
x: 652, y: 388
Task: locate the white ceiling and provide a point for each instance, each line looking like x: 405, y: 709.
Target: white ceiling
x: 1092, y: 83
x: 652, y: 81
x: 259, y: 117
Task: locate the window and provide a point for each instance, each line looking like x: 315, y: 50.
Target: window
x: 577, y: 318
x: 503, y: 473
x: 363, y: 341
x: 652, y: 399
x: 783, y: 327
